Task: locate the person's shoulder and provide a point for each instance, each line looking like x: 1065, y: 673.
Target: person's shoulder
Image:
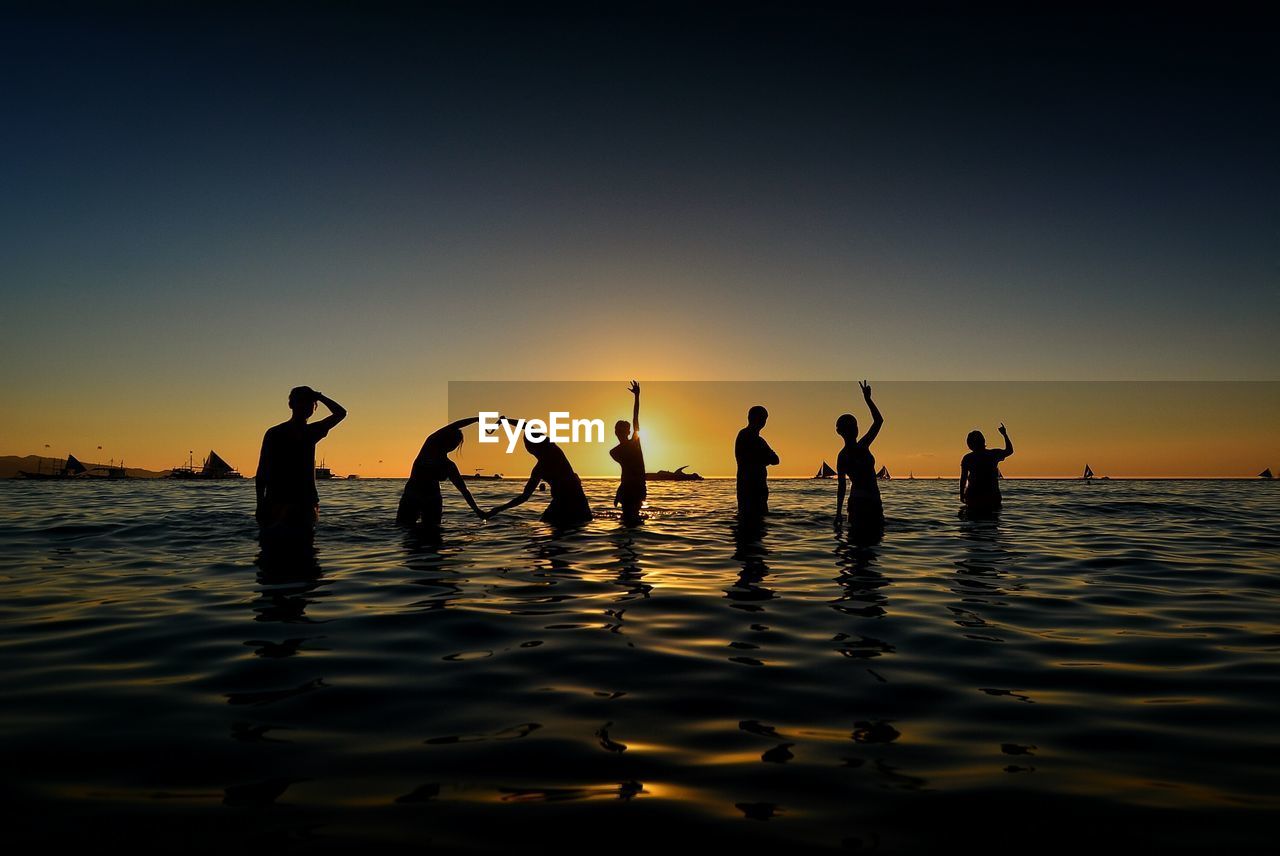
x: 969, y: 457
x: 276, y: 430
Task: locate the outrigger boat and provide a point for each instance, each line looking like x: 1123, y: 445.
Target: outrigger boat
x: 1266, y: 474
x: 71, y: 468
x: 212, y: 468
x: 678, y: 474
x: 825, y: 471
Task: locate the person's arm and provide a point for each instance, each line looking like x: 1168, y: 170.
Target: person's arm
x: 261, y: 474
x: 635, y: 413
x: 452, y: 426
x: 1008, y: 444
x: 456, y: 478
x: 529, y: 487
x: 964, y: 475
x: 839, y: 492
x: 876, y: 419
x: 769, y: 456
x: 336, y: 412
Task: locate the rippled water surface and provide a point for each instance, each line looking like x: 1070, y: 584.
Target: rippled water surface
x: 1103, y: 657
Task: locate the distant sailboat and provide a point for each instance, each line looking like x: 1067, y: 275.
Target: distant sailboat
x: 883, y: 475
x: 212, y: 468
x: 678, y: 474
x: 1266, y: 474
x: 216, y: 468
x: 824, y: 471
x: 71, y: 467
x: 1088, y: 473
x: 911, y: 475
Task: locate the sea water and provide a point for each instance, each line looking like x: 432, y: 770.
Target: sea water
x: 1101, y: 658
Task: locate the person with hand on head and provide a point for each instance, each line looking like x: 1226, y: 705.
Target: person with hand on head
x: 856, y: 463
x: 422, y: 498
x: 632, y: 489
x: 285, y: 482
x: 980, y: 473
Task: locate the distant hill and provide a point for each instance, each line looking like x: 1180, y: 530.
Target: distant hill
x: 10, y: 465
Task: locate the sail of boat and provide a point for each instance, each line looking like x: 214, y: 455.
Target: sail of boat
x: 1088, y: 473
x: 73, y: 467
x: 825, y: 471
x: 883, y: 475
x: 1266, y: 474
x: 215, y: 467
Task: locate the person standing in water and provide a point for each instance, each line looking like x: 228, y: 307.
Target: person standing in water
x: 421, y: 497
x: 856, y: 463
x: 286, y: 478
x: 632, y: 489
x: 754, y: 457
x: 980, y: 474
x: 568, y: 506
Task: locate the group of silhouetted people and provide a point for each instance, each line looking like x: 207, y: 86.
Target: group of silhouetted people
x: 287, y: 497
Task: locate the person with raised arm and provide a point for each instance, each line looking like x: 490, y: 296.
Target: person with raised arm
x: 856, y: 463
x: 631, y: 489
x: 422, y: 499
x: 754, y: 457
x: 568, y: 506
x: 980, y: 473
x: 285, y: 482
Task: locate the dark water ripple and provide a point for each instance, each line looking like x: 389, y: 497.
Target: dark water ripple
x: 1103, y: 651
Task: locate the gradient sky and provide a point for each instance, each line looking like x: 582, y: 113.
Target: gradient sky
x: 205, y: 207
x: 1131, y: 429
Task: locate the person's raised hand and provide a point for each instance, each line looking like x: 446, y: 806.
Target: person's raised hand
x: 634, y: 389
x: 866, y: 389
x: 1002, y: 431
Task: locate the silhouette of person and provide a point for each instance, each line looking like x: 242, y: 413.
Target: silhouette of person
x: 421, y: 497
x: 631, y: 489
x: 979, y: 474
x: 856, y: 463
x: 286, y: 478
x: 568, y: 506
x: 754, y: 457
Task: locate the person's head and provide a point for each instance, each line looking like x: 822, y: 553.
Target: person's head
x: 756, y: 417
x: 847, y: 426
x: 302, y: 401
x: 445, y: 442
x: 976, y: 441
x: 622, y: 429
x: 537, y: 448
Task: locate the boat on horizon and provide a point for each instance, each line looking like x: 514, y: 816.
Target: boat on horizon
x: 479, y: 476
x: 883, y: 475
x: 824, y: 471
x: 71, y: 468
x: 213, y: 467
x: 1089, y: 476
x: 678, y: 474
x: 1266, y: 474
